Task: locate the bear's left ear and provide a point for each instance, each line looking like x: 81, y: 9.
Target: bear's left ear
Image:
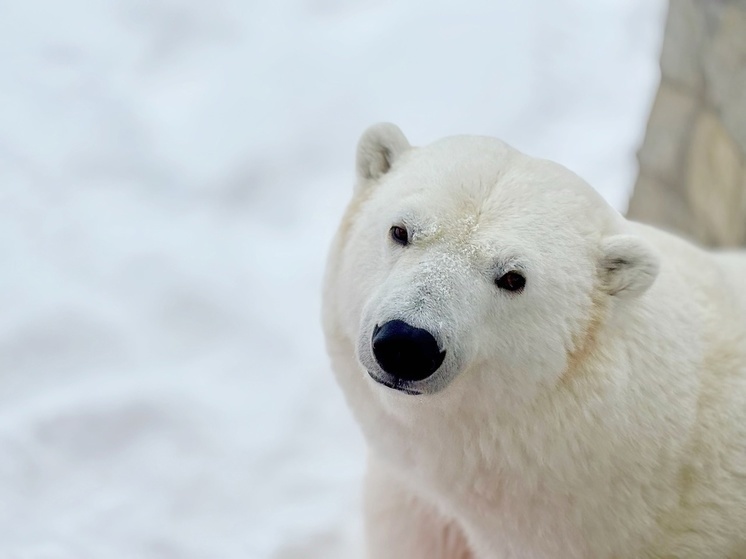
x: 628, y: 266
x: 378, y: 148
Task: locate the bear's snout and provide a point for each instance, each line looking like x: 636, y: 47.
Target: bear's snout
x: 406, y: 352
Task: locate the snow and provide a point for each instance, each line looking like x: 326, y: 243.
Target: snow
x: 170, y: 175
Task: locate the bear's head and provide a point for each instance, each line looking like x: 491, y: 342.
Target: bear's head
x: 466, y: 258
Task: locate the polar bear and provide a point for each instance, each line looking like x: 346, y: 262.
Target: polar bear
x: 535, y: 376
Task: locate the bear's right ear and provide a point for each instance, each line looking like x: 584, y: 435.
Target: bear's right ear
x: 628, y: 266
x: 378, y: 148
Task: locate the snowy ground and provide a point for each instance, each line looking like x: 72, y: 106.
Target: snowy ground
x: 170, y: 174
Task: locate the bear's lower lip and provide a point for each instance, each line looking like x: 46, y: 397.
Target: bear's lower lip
x: 394, y: 385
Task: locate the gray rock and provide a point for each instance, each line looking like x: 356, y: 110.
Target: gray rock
x: 725, y: 71
x: 662, y: 153
x: 715, y: 183
x: 685, y: 35
x: 662, y: 205
x: 693, y: 159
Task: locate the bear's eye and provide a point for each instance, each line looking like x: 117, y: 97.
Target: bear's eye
x: 400, y: 235
x: 511, y: 281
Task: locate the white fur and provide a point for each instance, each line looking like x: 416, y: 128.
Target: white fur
x: 600, y: 413
x: 379, y: 147
x: 628, y: 266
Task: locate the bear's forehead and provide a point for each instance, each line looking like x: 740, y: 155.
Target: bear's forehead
x: 483, y: 186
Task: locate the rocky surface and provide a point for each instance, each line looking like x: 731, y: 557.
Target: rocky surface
x: 692, y: 177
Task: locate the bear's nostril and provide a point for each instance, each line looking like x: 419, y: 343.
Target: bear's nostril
x: 406, y: 352
x: 376, y: 329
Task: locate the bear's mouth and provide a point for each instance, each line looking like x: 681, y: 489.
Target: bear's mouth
x: 397, y: 385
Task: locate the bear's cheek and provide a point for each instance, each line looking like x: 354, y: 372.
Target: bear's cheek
x: 523, y: 339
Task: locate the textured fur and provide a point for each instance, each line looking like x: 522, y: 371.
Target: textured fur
x: 600, y: 413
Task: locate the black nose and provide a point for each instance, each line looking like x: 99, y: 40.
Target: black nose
x: 406, y: 352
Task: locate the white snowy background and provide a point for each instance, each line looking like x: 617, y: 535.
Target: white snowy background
x: 171, y: 172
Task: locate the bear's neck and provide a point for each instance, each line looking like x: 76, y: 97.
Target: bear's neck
x: 594, y: 424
